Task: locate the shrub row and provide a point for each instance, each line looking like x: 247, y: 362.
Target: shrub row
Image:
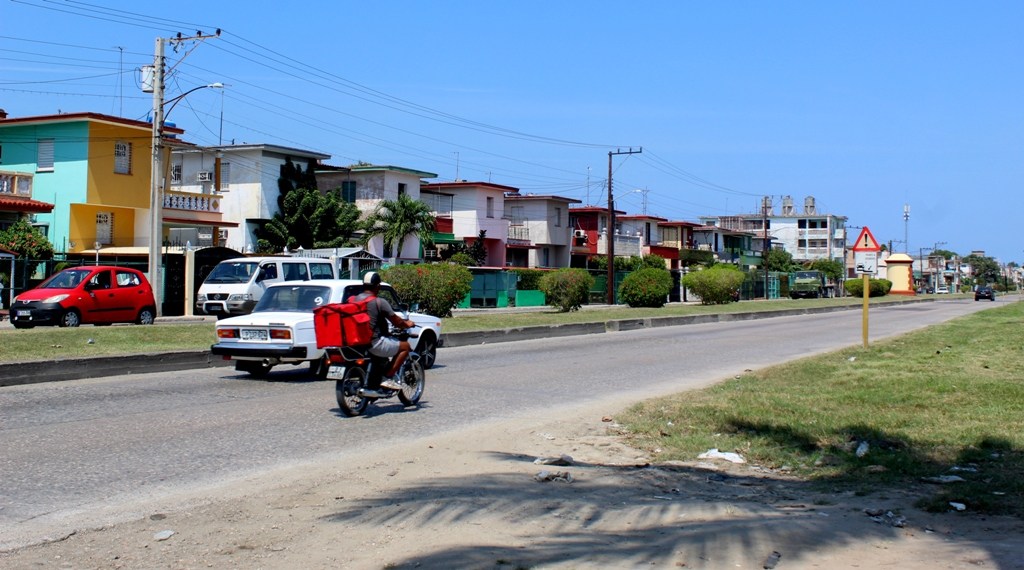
x: 436, y: 287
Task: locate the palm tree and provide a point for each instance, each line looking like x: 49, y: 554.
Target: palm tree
x: 394, y: 220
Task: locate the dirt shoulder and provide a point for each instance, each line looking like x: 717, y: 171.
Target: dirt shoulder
x: 472, y: 500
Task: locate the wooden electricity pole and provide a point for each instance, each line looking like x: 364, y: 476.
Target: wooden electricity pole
x: 610, y: 243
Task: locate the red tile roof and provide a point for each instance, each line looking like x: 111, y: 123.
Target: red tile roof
x: 24, y: 205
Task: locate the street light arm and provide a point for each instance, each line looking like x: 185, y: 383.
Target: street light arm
x: 178, y: 99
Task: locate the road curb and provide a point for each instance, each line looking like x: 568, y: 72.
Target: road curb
x: 20, y: 373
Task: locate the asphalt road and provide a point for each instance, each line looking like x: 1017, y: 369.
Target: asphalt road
x: 87, y: 449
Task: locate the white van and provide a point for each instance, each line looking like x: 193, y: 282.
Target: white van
x: 235, y: 285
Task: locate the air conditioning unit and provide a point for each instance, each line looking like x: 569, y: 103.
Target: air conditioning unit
x: 579, y: 233
x: 204, y: 176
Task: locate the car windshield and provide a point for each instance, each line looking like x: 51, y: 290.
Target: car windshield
x: 67, y: 279
x: 806, y: 275
x: 295, y: 298
x: 233, y: 272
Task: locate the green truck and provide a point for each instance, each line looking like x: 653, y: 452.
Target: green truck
x: 807, y: 284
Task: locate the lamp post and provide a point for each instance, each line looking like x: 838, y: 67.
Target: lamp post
x: 157, y: 176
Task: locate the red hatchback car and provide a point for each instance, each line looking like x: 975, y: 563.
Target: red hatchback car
x: 99, y: 294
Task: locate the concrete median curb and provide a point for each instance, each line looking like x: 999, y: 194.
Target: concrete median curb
x: 18, y: 373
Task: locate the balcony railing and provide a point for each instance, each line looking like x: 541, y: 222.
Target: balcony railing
x: 519, y: 233
x: 191, y: 201
x: 16, y: 184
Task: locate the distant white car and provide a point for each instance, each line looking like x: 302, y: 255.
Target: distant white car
x: 280, y: 328
x: 942, y: 289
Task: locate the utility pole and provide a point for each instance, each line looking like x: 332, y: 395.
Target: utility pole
x: 156, y: 202
x: 937, y: 263
x: 765, y: 245
x: 610, y: 243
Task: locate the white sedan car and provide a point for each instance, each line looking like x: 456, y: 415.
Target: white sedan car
x: 280, y: 328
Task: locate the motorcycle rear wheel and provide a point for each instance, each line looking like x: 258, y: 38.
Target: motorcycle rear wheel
x: 347, y: 390
x: 412, y: 383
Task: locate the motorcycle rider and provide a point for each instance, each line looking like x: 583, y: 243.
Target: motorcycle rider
x: 383, y: 344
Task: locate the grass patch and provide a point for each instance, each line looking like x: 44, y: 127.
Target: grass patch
x: 493, y: 321
x: 44, y: 343
x: 48, y: 343
x: 948, y: 400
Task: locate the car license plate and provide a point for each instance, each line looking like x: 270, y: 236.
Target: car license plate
x: 255, y: 334
x: 336, y: 372
x: 23, y: 313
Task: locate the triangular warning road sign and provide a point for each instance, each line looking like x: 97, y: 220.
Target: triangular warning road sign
x: 866, y: 241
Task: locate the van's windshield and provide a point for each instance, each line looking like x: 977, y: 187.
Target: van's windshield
x: 232, y: 272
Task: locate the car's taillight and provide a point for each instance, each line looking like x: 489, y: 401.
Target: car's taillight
x: 227, y: 333
x: 281, y: 334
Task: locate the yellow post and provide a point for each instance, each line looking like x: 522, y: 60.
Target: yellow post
x: 864, y: 317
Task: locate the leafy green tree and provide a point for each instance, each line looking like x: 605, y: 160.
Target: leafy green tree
x: 944, y: 253
x: 310, y: 219
x: 293, y: 177
x: 779, y: 260
x: 631, y: 263
x: 832, y: 269
x: 436, y: 287
x: 566, y: 289
x: 396, y: 220
x: 28, y: 242
x: 464, y: 259
x: 715, y: 285
x: 985, y: 269
x: 647, y: 287
x: 478, y: 250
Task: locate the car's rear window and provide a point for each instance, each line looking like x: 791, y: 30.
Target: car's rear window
x: 297, y: 298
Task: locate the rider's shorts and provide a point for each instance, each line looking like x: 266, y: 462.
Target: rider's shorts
x: 384, y: 346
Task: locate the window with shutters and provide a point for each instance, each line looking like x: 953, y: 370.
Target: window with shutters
x: 44, y: 155
x: 122, y: 157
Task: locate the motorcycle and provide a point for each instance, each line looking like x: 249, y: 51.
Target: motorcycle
x: 358, y: 375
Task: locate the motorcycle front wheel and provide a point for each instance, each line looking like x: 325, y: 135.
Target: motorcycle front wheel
x: 412, y: 383
x: 347, y: 390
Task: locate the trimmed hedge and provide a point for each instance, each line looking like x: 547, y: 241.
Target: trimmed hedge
x: 528, y: 279
x: 566, y: 289
x: 878, y: 287
x: 715, y: 285
x: 647, y: 287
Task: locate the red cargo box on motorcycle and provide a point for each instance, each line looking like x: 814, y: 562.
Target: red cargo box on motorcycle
x: 343, y: 324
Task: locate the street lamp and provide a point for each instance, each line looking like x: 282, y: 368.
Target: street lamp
x: 156, y: 229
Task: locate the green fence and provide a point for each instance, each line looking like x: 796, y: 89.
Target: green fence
x: 491, y: 288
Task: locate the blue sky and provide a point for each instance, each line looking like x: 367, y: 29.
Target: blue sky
x: 866, y: 106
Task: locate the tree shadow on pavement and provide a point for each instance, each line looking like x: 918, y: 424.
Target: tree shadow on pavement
x: 671, y: 514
